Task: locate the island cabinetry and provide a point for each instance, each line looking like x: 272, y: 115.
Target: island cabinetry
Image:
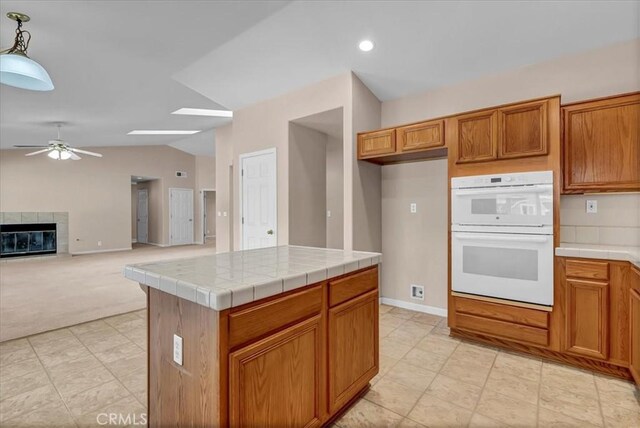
x: 296, y: 359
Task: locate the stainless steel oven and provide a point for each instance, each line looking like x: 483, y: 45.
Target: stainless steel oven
x: 502, y: 236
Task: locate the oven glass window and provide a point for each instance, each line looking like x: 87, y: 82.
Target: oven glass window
x: 514, y: 263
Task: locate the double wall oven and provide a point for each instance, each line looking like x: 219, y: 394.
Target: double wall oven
x: 502, y: 236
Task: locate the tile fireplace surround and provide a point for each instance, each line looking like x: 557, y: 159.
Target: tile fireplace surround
x: 60, y: 219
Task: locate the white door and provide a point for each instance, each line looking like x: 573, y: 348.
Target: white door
x: 259, y: 199
x: 181, y: 216
x: 143, y: 216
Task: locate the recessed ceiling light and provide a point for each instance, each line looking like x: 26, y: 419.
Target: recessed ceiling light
x: 161, y: 132
x: 366, y: 45
x: 204, y: 112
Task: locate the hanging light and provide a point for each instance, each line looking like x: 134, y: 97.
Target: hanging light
x: 16, y: 68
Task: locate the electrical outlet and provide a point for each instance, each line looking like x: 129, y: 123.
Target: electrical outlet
x: 224, y: 214
x: 328, y: 213
x: 592, y: 206
x: 417, y: 292
x: 177, y: 349
x: 413, y: 207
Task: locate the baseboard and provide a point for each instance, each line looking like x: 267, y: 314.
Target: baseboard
x: 157, y: 245
x: 414, y: 306
x: 77, y: 253
x: 134, y: 241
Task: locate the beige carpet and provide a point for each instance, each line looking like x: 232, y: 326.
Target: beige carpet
x: 43, y: 294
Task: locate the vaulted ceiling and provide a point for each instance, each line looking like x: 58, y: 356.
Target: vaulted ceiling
x: 119, y: 66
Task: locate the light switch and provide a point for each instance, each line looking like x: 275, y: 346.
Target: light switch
x: 592, y: 206
x: 219, y: 213
x: 177, y: 349
x: 413, y: 207
x: 328, y: 213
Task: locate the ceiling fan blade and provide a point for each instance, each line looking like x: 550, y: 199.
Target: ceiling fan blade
x: 74, y: 156
x: 38, y: 152
x: 28, y: 146
x: 85, y: 152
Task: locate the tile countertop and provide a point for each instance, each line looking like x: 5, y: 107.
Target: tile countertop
x: 232, y: 279
x: 595, y: 251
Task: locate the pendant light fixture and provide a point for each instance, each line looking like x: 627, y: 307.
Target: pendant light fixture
x: 16, y: 68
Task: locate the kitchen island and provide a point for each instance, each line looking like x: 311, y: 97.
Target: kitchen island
x: 281, y: 336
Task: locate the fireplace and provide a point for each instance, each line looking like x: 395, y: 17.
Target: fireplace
x: 27, y: 239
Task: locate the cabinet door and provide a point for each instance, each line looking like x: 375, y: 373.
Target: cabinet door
x: 634, y: 328
x: 523, y: 130
x: 353, y: 347
x: 587, y: 318
x: 477, y: 136
x: 376, y: 143
x: 602, y: 144
x: 421, y: 136
x: 277, y: 382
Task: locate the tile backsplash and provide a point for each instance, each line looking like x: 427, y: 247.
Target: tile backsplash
x: 617, y: 221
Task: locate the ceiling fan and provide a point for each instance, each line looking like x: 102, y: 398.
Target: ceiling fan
x: 59, y: 150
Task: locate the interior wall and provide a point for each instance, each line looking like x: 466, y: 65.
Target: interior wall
x: 134, y: 212
x: 307, y: 186
x: 334, y: 192
x: 607, y: 71
x: 95, y: 191
x: 366, y: 195
x: 224, y: 160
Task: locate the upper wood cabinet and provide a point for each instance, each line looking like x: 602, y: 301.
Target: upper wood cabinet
x: 513, y: 131
x: 373, y: 144
x: 477, y: 136
x: 601, y: 147
x: 420, y: 136
x: 523, y: 130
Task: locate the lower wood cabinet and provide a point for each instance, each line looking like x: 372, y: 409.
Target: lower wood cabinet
x: 634, y: 326
x: 278, y: 381
x: 353, y: 347
x: 587, y: 322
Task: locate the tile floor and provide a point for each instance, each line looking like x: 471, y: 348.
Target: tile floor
x: 68, y: 377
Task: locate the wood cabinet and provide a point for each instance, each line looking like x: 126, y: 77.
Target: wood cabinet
x: 477, y: 136
x: 601, y: 144
x: 373, y: 144
x: 513, y: 131
x: 587, y: 322
x: 353, y: 347
x: 634, y: 325
x: 420, y: 136
x: 278, y: 381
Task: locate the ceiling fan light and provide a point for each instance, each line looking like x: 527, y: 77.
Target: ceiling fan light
x: 23, y: 72
x: 54, y: 154
x: 64, y: 155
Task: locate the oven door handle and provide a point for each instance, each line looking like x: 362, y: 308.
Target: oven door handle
x: 503, y: 190
x: 474, y: 237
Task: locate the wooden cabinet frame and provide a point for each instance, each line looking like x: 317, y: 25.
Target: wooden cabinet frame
x: 577, y: 290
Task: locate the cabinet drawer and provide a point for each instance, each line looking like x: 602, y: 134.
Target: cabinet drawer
x: 507, y: 330
x: 256, y: 321
x: 587, y: 269
x: 512, y: 314
x: 347, y: 288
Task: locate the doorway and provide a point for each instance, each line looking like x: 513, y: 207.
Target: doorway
x: 208, y: 218
x: 258, y: 199
x: 142, y: 217
x: 180, y: 216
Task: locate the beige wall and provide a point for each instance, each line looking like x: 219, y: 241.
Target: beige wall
x: 307, y: 186
x: 366, y: 196
x: 617, y: 221
x: 96, y: 192
x: 224, y: 160
x: 606, y: 71
x: 335, y: 193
